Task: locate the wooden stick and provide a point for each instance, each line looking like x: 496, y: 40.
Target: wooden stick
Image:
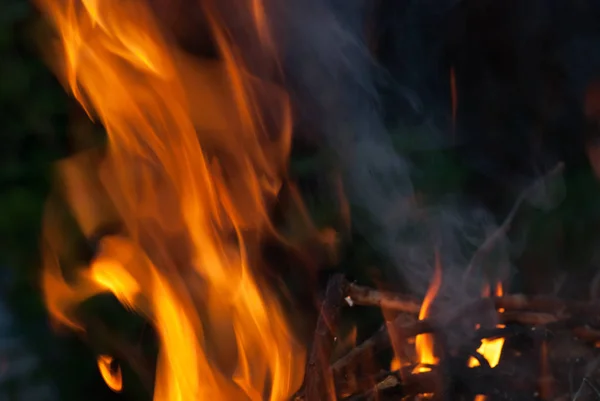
x: 391, y: 382
x: 535, y: 310
x: 361, y: 295
x: 378, y: 342
x: 318, y: 382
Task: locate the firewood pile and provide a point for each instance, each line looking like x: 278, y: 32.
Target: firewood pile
x: 548, y: 351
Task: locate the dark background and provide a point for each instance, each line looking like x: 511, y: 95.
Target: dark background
x: 522, y: 69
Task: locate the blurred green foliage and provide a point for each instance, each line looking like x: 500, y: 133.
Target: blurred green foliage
x: 33, y: 111
x: 33, y: 115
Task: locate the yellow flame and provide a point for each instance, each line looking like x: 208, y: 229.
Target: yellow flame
x: 190, y: 170
x: 424, y: 342
x: 111, y: 375
x: 491, y: 350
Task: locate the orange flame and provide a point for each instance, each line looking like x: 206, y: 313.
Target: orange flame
x: 190, y: 171
x: 424, y: 342
x: 499, y: 290
x: 395, y: 364
x: 491, y: 350
x: 110, y: 374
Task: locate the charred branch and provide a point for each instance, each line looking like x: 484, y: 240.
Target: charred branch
x: 361, y: 295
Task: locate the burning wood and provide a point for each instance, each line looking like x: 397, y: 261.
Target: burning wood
x: 472, y: 370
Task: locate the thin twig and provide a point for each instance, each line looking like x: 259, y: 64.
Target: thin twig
x: 362, y: 295
x: 318, y: 384
x: 378, y: 342
x: 588, y: 382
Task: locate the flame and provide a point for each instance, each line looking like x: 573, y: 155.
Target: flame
x: 499, y: 290
x: 424, y: 342
x: 491, y: 350
x: 110, y: 373
x: 190, y: 170
x: 395, y: 364
x: 499, y: 293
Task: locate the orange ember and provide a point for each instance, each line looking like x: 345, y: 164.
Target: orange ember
x: 189, y: 171
x: 424, y: 342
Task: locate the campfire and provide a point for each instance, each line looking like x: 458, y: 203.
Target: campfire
x: 180, y: 199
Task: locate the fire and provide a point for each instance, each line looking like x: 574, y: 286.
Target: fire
x: 395, y: 364
x: 190, y: 171
x: 110, y: 373
x: 499, y: 290
x: 491, y: 350
x: 424, y: 342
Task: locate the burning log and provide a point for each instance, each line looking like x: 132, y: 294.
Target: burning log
x: 522, y: 314
x: 360, y: 295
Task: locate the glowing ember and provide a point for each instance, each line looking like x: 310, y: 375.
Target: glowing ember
x: 424, y: 342
x: 189, y: 212
x: 111, y: 373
